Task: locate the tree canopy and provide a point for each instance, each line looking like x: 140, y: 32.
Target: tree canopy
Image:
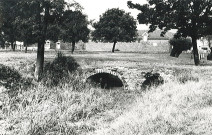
x: 191, y: 17
x: 74, y: 27
x: 46, y: 15
x: 9, y: 12
x: 33, y: 21
x: 179, y: 45
x: 43, y: 14
x: 114, y: 26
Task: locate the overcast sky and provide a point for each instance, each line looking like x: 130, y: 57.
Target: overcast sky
x: 95, y: 8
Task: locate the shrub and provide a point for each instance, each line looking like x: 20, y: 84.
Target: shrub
x: 60, y: 70
x: 9, y: 77
x: 179, y: 45
x: 152, y: 80
x: 12, y: 80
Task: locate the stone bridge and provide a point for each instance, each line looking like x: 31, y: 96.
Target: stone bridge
x: 131, y: 78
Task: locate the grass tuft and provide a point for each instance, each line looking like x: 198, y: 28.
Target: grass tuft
x: 184, y: 75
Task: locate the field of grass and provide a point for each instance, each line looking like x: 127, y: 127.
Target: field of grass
x: 181, y: 106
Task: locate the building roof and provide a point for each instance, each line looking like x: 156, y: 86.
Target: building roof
x: 155, y: 35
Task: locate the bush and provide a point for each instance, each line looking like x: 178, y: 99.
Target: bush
x: 152, y: 80
x: 9, y: 77
x: 12, y: 80
x: 59, y: 70
x: 179, y: 45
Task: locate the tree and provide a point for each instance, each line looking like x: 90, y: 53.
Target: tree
x: 179, y: 45
x: 43, y: 14
x: 209, y: 38
x: 25, y: 28
x: 190, y: 17
x: 35, y: 16
x: 26, y: 34
x: 74, y: 27
x: 115, y: 25
x: 9, y: 12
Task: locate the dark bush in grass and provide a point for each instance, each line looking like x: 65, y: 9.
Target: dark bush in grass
x: 12, y: 80
x: 209, y: 57
x: 60, y: 70
x: 9, y: 77
x: 152, y: 79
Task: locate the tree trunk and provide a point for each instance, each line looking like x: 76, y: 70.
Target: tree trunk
x: 173, y: 52
x: 195, y: 51
x: 40, y: 60
x: 13, y: 46
x: 114, y: 45
x: 41, y: 42
x: 73, y: 47
x: 26, y: 45
x: 209, y: 38
x: 170, y: 48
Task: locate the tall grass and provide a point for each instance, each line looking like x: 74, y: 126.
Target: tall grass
x: 175, y: 108
x: 41, y: 110
x: 62, y: 108
x: 181, y: 106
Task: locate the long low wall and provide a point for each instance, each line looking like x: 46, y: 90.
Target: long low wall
x: 151, y: 46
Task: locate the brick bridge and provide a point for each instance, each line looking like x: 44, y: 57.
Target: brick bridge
x: 131, y: 78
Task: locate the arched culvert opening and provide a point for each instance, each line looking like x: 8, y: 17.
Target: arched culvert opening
x: 105, y: 80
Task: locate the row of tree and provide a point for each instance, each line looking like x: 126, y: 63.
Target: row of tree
x: 35, y: 21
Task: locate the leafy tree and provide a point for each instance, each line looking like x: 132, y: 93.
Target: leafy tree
x: 115, y: 25
x: 31, y: 18
x: 9, y: 12
x: 26, y: 35
x: 25, y: 29
x: 43, y: 14
x: 179, y: 45
x: 74, y: 27
x: 190, y: 17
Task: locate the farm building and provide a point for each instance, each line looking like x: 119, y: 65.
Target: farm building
x: 66, y: 45
x: 154, y: 37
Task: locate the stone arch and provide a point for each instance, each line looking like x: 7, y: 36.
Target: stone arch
x: 111, y: 74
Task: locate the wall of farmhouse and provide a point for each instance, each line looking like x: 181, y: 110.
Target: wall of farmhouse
x: 150, y: 46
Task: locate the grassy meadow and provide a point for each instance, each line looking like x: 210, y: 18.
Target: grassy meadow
x: 181, y: 106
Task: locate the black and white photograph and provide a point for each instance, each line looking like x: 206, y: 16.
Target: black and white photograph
x: 105, y: 67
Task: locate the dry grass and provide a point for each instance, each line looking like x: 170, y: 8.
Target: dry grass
x: 174, y: 108
x: 182, y: 106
